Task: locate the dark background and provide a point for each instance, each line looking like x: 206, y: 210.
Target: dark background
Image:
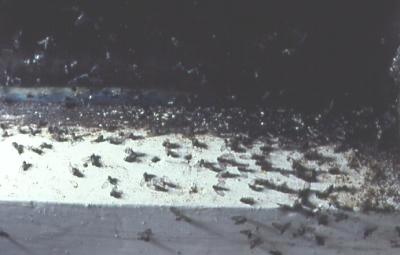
x: 305, y: 54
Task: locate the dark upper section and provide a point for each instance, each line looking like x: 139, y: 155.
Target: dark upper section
x: 300, y: 52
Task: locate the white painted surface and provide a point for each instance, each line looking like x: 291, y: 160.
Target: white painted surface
x: 48, y: 210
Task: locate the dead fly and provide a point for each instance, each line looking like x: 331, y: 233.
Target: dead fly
x: 135, y: 137
x: 172, y: 154
x: 245, y: 170
x: 4, y: 234
x: 231, y: 162
x: 148, y: 177
x: 37, y: 151
x: 255, y: 187
x: 76, y: 138
x: 303, y: 172
x: 18, y: 147
x: 239, y: 220
x: 209, y: 165
x: 188, y: 157
x: 323, y: 219
x: 278, y: 187
x: 168, y: 145
x: 112, y: 181
x: 314, y: 155
x: 254, y: 240
x: 99, y: 139
x: 5, y: 134
x: 248, y: 200
x: 46, y: 146
x: 397, y: 229
x: 334, y: 170
x: 26, y: 166
x: 193, y: 189
x: 179, y: 215
x: 275, y: 252
x: 296, y: 207
x: 160, y: 187
x: 76, y: 172
x: 300, y: 231
x: 369, y: 230
x: 145, y: 235
x: 198, y: 144
x: 116, y: 193
x: 228, y: 175
x: 133, y: 156
x: 116, y: 140
x: 320, y: 240
x: 155, y: 159
x: 96, y: 160
x: 342, y: 216
x: 219, y: 189
x: 235, y: 145
x: 24, y: 130
x: 160, y: 184
x: 281, y: 227
x: 266, y: 149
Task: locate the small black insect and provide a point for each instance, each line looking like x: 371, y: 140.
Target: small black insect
x: 168, y: 145
x: 209, y: 165
x: 219, y: 188
x: 369, y: 230
x: 172, y: 154
x: 397, y: 229
x: 145, y: 235
x: 37, y: 150
x: 248, y: 200
x: 281, y: 227
x: 135, y: 137
x: 254, y: 242
x: 198, y: 144
x: 275, y: 252
x: 5, y: 134
x: 303, y: 172
x: 239, y: 220
x: 116, y: 193
x: 245, y: 170
x: 180, y: 215
x: 232, y: 162
x: 320, y: 240
x: 334, y: 170
x: 155, y: 159
x: 342, y: 216
x: 26, y: 166
x: 76, y: 172
x: 266, y: 149
x: 247, y: 232
x: 188, y: 157
x: 4, y: 234
x: 193, y: 189
x: 323, y: 219
x: 133, y: 156
x: 160, y: 187
x: 255, y: 187
x: 113, y: 181
x: 76, y: 137
x: 116, y: 140
x: 96, y: 160
x: 99, y: 139
x: 148, y: 177
x: 18, y: 147
x: 24, y: 130
x: 46, y: 146
x: 229, y: 175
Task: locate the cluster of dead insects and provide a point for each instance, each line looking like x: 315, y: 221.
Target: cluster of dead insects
x: 158, y: 183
